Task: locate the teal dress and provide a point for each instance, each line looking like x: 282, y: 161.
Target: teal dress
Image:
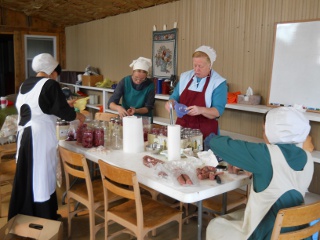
x: 255, y: 158
x: 136, y: 98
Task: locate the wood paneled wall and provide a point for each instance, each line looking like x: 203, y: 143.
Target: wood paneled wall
x: 241, y: 31
x: 18, y: 24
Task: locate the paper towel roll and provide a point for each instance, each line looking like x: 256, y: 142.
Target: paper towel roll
x: 174, y: 142
x: 132, y: 134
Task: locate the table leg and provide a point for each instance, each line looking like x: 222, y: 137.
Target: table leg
x: 199, y: 219
x: 224, y: 203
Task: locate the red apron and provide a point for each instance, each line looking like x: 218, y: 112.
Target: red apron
x: 190, y: 98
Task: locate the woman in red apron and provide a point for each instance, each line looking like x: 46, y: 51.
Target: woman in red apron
x: 203, y: 91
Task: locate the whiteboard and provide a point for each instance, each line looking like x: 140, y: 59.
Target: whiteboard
x: 295, y: 75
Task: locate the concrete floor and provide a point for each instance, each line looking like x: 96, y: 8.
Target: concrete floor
x: 80, y: 225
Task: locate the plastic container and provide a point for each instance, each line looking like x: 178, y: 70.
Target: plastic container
x: 159, y: 86
x: 166, y: 87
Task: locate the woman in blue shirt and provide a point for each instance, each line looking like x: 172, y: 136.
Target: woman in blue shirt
x: 203, y: 91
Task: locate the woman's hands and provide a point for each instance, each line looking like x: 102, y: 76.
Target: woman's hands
x: 131, y: 111
x: 71, y: 102
x: 121, y: 111
x: 194, y: 110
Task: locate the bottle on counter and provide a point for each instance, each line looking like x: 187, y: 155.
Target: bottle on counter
x: 62, y: 128
x: 116, y: 141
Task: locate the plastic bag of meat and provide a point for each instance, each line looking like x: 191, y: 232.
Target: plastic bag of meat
x: 181, y: 172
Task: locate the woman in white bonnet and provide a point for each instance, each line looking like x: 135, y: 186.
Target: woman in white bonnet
x: 39, y: 103
x: 282, y: 172
x: 203, y: 91
x: 136, y: 90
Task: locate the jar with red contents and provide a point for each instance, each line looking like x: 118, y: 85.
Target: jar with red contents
x: 98, y: 136
x: 87, y: 137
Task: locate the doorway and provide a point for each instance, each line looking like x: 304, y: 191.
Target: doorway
x: 7, y: 85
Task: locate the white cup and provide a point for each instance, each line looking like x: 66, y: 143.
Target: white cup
x: 4, y: 102
x: 91, y: 99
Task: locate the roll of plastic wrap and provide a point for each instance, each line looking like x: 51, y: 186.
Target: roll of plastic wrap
x: 132, y: 134
x: 174, y: 142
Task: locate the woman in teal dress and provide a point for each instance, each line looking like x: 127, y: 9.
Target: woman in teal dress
x: 282, y: 172
x: 136, y: 90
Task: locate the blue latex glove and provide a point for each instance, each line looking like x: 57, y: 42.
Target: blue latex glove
x: 181, y: 109
x: 206, y: 143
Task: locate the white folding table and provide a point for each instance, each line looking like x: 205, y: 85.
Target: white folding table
x: 186, y: 194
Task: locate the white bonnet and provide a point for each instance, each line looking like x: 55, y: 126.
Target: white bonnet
x: 44, y: 62
x: 141, y: 63
x: 286, y: 125
x: 209, y: 51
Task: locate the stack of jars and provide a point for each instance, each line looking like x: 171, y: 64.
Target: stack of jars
x: 190, y: 138
x: 100, y: 133
x: 90, y: 134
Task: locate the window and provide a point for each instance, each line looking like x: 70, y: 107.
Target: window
x: 36, y: 44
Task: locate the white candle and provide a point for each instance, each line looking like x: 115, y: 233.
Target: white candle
x: 175, y: 25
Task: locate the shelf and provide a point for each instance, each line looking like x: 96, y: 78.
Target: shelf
x: 93, y: 106
x: 263, y: 109
x: 161, y: 121
x: 249, y: 108
x: 314, y: 154
x: 312, y: 116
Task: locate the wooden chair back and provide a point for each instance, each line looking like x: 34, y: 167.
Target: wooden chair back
x: 104, y: 116
x: 294, y: 217
x: 139, y: 215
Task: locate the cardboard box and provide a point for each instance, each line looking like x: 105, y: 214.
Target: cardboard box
x: 28, y: 227
x: 91, y: 80
x: 249, y: 100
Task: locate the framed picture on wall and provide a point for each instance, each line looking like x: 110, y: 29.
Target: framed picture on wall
x: 164, y: 53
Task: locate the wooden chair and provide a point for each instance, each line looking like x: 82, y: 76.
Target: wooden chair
x: 86, y: 113
x: 105, y: 116
x: 7, y: 172
x: 297, y: 216
x: 139, y: 215
x: 86, y: 192
x: 224, y: 203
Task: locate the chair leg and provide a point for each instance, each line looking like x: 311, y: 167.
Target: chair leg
x: 106, y: 229
x: 154, y: 196
x: 92, y: 225
x: 69, y: 218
